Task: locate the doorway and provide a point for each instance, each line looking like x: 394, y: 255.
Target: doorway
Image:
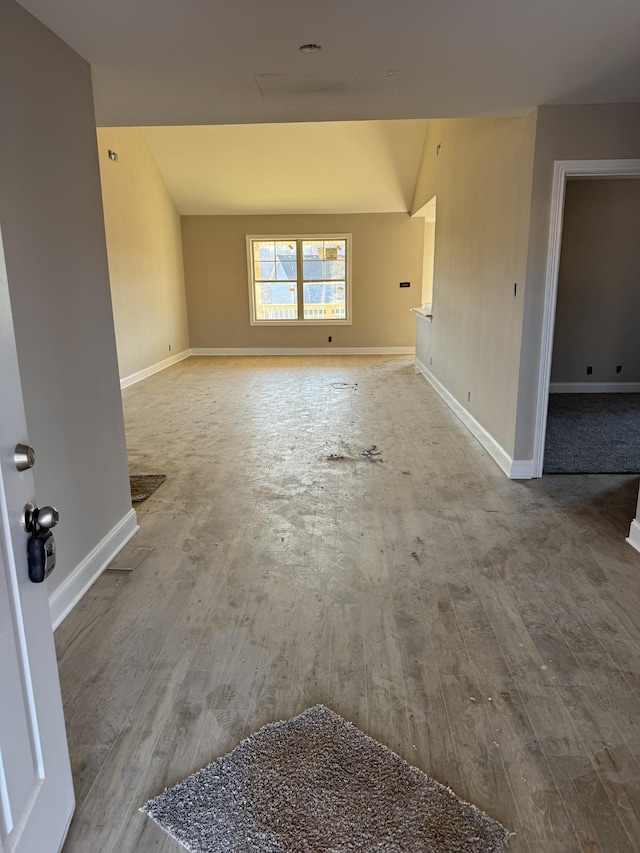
x: 594, y: 402
x: 563, y: 171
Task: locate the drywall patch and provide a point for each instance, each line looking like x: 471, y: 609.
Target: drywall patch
x: 303, y: 85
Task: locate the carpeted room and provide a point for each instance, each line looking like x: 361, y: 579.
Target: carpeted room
x: 594, y: 409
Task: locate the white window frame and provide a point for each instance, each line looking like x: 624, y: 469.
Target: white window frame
x: 311, y: 321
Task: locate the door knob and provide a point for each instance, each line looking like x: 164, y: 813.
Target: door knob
x: 34, y: 517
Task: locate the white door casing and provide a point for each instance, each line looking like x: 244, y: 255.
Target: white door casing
x: 36, y: 790
x: 562, y: 170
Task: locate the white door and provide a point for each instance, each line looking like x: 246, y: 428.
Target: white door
x: 36, y: 792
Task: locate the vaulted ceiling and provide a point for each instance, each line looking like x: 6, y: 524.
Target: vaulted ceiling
x: 325, y: 167
x: 180, y: 69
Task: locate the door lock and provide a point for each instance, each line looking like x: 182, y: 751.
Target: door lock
x: 24, y: 457
x: 41, y: 546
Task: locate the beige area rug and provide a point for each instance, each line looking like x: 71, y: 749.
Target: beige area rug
x: 144, y: 485
x: 317, y: 784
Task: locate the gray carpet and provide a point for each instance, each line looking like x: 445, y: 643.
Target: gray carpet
x: 144, y: 485
x: 593, y: 434
x: 316, y: 784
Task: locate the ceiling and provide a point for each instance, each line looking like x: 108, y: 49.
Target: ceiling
x: 200, y: 62
x: 327, y: 167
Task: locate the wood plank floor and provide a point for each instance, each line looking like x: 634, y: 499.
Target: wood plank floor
x: 486, y: 630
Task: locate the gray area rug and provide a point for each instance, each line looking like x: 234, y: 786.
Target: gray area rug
x: 144, y: 485
x: 593, y: 434
x: 316, y: 784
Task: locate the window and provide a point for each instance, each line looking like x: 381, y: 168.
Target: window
x: 301, y: 280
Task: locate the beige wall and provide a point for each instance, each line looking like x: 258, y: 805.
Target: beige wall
x: 53, y: 232
x: 481, y: 176
x: 598, y: 305
x: 145, y: 253
x: 562, y: 133
x: 386, y: 249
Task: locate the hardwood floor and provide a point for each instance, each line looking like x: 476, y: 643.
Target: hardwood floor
x: 487, y: 630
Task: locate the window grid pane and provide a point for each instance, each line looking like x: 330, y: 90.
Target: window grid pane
x: 275, y: 274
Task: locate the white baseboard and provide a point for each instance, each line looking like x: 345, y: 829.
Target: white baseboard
x: 515, y: 469
x: 328, y: 350
x: 65, y: 598
x: 594, y: 388
x: 634, y: 534
x: 126, y: 381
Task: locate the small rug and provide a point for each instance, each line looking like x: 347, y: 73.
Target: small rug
x: 593, y: 434
x: 317, y: 784
x: 143, y: 485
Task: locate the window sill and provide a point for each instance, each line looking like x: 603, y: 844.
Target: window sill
x: 300, y: 322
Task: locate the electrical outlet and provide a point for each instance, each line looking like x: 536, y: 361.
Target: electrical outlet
x: 589, y: 369
x: 405, y: 284
x: 113, y: 155
x: 618, y: 368
x: 330, y: 339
